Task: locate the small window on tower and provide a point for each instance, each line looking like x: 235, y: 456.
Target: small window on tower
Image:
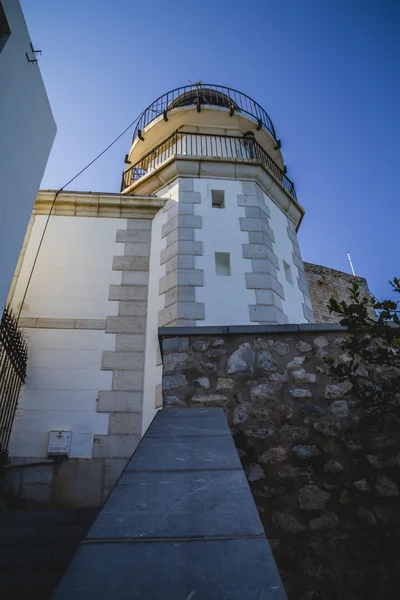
x: 5, y: 30
x: 218, y: 198
x: 222, y: 263
x: 288, y: 272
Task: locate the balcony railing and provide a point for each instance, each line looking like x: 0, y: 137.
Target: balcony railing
x: 13, y: 360
x: 205, y: 94
x: 206, y: 146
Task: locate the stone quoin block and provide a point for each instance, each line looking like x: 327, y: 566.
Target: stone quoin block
x: 181, y: 277
x: 180, y: 220
x: 135, y: 277
x: 130, y: 263
x: 263, y: 265
x: 181, y: 310
x: 308, y: 313
x: 260, y: 251
x: 180, y: 294
x: 131, y: 236
x: 253, y: 201
x: 127, y: 381
x: 131, y: 361
x: 256, y: 212
x: 128, y: 292
x: 185, y: 234
x: 190, y: 197
x: 185, y: 261
x: 127, y: 401
x: 139, y: 224
x: 130, y: 342
x: 264, y: 281
x: 125, y: 423
x: 137, y: 249
x: 126, y: 324
x: 267, y: 314
x: 132, y: 308
x: 115, y: 446
x: 269, y: 297
x: 259, y: 237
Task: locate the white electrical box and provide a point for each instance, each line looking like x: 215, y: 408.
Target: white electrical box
x: 59, y: 443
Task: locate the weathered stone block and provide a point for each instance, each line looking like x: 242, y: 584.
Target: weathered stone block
x: 264, y: 281
x: 138, y: 249
x: 130, y: 342
x: 113, y: 468
x: 260, y: 237
x: 185, y: 234
x: 176, y: 360
x: 131, y: 236
x: 132, y: 308
x: 125, y: 423
x: 172, y: 382
x: 310, y: 497
x: 189, y: 197
x: 99, y: 324
x: 139, y: 224
x: 130, y: 263
x: 265, y: 313
x: 174, y: 344
x: 78, y: 482
x: 126, y: 324
x: 180, y: 294
x: 131, y: 361
x: 185, y: 261
x: 127, y: 380
x: 241, y: 360
x: 181, y: 220
x: 115, y: 446
x: 135, y: 277
x: 263, y: 265
x: 109, y: 401
x: 128, y: 292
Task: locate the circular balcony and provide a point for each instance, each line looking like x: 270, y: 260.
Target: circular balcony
x: 197, y: 145
x: 205, y: 94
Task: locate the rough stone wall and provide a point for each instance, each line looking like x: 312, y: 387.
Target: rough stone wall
x: 327, y: 491
x: 324, y: 283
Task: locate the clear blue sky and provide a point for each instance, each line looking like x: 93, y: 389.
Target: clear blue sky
x: 326, y: 71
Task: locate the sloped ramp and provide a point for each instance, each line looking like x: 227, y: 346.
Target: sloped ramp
x: 180, y: 524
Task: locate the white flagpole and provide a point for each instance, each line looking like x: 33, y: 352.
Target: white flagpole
x: 351, y: 264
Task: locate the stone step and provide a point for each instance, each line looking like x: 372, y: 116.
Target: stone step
x: 53, y: 535
x: 47, y: 516
x: 26, y: 585
x: 37, y: 558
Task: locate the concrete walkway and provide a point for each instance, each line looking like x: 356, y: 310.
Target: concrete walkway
x: 180, y: 524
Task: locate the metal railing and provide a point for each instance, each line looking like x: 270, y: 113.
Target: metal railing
x: 205, y: 145
x: 13, y: 361
x: 205, y: 94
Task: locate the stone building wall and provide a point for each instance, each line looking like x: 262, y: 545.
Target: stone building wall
x: 327, y: 491
x: 323, y: 283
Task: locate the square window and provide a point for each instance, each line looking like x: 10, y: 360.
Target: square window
x: 222, y: 263
x: 288, y: 272
x: 5, y: 30
x: 218, y: 198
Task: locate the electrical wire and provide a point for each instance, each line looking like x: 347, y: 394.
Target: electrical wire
x: 54, y: 202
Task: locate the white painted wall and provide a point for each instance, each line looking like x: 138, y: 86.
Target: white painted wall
x: 226, y: 299
x: 283, y: 248
x: 73, y: 272
x: 27, y: 131
x: 63, y: 379
x: 155, y: 303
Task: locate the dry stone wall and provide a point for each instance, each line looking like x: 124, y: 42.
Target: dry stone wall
x: 327, y: 491
x: 323, y: 283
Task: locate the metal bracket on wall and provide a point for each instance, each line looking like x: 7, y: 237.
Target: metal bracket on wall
x: 35, y: 52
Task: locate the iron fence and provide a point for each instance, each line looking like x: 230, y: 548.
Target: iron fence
x: 201, y: 95
x: 244, y: 148
x: 13, y: 361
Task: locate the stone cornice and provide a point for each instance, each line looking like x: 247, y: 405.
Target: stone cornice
x: 91, y: 204
x: 221, y: 168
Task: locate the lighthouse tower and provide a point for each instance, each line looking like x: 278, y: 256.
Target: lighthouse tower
x: 224, y: 250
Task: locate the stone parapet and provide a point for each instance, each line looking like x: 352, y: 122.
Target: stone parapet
x: 327, y: 489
